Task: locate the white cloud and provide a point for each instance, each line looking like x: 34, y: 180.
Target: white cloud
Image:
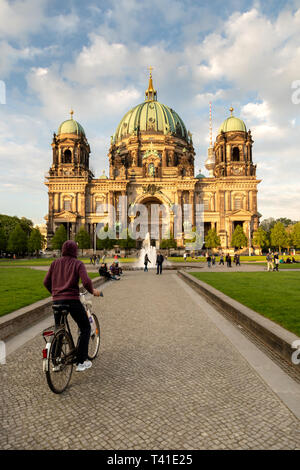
x: 21, y: 17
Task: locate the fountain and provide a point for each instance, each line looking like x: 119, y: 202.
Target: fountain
x: 151, y: 252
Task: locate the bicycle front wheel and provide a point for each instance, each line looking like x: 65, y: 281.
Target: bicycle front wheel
x: 94, y: 343
x: 60, y: 362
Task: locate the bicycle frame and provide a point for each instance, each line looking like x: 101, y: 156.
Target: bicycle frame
x: 49, y: 335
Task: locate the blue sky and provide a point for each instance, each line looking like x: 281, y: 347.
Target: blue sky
x: 93, y: 56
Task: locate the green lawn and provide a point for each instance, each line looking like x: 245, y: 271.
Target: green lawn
x: 274, y: 295
x: 48, y: 261
x: 22, y: 286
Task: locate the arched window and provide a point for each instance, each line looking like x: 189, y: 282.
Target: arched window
x: 67, y: 156
x: 183, y: 172
x: 235, y: 154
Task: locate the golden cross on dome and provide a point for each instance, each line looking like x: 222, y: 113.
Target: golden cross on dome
x: 150, y: 68
x: 231, y: 110
x: 71, y: 112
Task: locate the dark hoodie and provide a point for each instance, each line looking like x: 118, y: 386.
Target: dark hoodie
x: 64, y: 273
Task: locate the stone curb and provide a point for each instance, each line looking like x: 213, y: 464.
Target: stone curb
x: 275, y: 336
x: 15, y: 322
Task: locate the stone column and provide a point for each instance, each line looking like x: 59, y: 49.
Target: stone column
x: 164, y: 158
x: 228, y: 152
x: 56, y: 202
x: 110, y: 208
x: 191, y: 202
x: 73, y: 203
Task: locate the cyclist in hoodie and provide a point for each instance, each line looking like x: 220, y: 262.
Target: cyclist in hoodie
x: 62, y: 282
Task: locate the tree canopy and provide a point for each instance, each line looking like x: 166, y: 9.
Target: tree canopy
x: 83, y: 239
x: 59, y: 238
x: 35, y: 241
x: 17, y: 241
x: 239, y: 239
x: 212, y: 239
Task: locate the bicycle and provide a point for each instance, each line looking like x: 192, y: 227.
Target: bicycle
x: 59, y: 355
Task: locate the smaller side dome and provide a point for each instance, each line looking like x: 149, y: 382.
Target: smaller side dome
x: 232, y: 123
x: 200, y: 176
x: 70, y: 126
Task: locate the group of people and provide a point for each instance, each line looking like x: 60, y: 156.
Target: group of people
x: 159, y: 263
x: 211, y: 260
x: 272, y: 261
x: 114, y: 273
x: 95, y: 259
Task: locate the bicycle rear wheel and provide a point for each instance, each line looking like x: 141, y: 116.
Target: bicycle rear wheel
x: 60, y: 362
x: 94, y: 342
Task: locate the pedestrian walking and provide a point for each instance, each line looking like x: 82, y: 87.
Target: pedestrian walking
x: 213, y: 260
x: 221, y: 259
x: 159, y: 263
x: 208, y: 259
x: 269, y: 262
x: 228, y: 260
x: 276, y: 261
x: 146, y: 261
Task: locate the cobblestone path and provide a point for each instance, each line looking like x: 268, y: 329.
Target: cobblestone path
x: 166, y: 378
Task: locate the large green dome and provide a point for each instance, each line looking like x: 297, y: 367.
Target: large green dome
x: 151, y: 116
x: 70, y: 126
x: 233, y: 123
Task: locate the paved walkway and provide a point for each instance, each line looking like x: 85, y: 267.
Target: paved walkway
x: 166, y: 378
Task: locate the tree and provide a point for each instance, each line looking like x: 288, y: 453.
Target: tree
x: 106, y: 239
x: 35, y: 241
x: 286, y: 222
x: 26, y: 225
x: 59, y: 238
x: 260, y: 238
x: 167, y: 243
x: 239, y: 238
x: 268, y: 224
x: 3, y: 239
x: 125, y: 240
x: 296, y: 235
x: 17, y: 242
x: 212, y: 239
x: 83, y: 239
x: 279, y: 236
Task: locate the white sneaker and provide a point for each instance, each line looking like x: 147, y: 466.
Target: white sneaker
x: 84, y: 366
x: 87, y: 364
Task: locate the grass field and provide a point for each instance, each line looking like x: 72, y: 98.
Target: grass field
x: 274, y: 295
x: 22, y: 286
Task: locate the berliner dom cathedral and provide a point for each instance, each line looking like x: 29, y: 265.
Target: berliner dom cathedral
x: 151, y: 161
